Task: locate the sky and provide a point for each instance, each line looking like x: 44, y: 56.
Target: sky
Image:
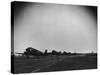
x: 60, y: 27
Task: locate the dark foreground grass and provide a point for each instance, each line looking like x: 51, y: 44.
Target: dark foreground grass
x: 54, y: 63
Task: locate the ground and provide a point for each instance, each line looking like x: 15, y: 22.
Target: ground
x: 54, y: 63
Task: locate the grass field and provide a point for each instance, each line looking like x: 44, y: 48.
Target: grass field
x: 54, y: 63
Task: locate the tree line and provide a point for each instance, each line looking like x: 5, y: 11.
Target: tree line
x: 34, y: 52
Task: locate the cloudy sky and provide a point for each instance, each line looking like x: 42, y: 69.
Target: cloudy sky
x: 54, y: 26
